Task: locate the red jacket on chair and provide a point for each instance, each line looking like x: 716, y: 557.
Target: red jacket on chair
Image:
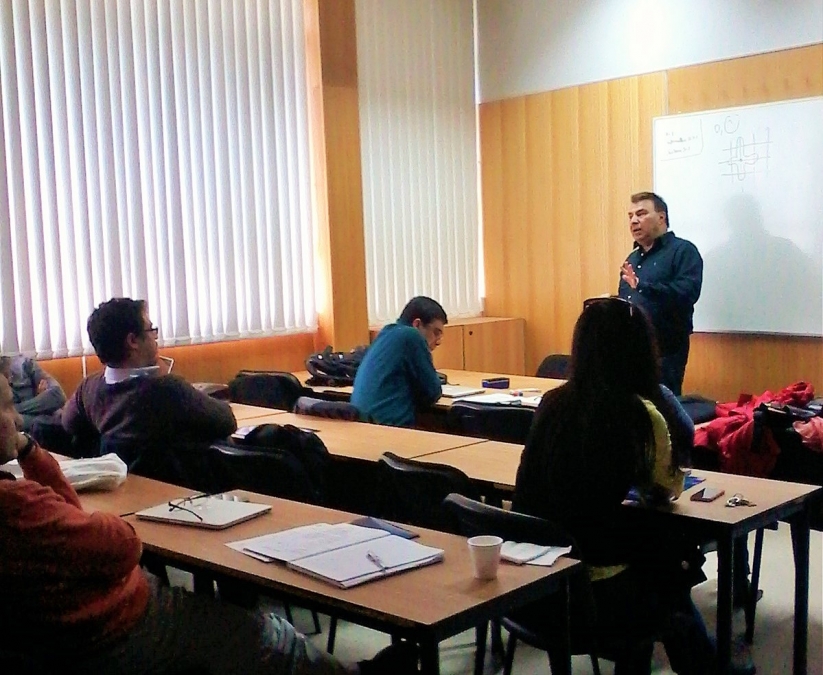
x: 732, y: 432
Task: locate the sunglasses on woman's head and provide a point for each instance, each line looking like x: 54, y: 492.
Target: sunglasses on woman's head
x: 597, y: 301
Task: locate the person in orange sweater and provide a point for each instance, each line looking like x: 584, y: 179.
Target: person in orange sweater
x: 74, y: 599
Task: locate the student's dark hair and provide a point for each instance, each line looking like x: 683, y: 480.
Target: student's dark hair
x: 425, y: 309
x: 111, y: 323
x: 598, y: 414
x: 659, y: 205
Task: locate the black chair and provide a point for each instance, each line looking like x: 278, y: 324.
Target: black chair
x: 279, y: 472
x: 699, y: 408
x: 474, y: 518
x: 268, y: 389
x: 338, y: 410
x: 555, y: 366
x: 412, y: 492
x: 508, y: 423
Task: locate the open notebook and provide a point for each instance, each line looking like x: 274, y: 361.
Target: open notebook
x: 345, y: 555
x: 456, y: 391
x: 203, y: 511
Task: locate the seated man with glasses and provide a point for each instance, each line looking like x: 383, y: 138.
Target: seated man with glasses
x: 74, y: 599
x: 37, y: 395
x: 397, y: 376
x: 139, y: 412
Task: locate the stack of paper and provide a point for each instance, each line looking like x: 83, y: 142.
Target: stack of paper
x: 533, y: 554
x: 345, y: 555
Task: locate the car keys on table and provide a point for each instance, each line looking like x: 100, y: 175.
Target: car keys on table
x: 738, y: 500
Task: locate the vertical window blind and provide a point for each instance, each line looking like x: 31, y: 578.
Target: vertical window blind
x: 156, y: 149
x: 418, y: 129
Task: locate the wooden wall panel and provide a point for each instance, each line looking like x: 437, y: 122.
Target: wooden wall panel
x: 557, y: 170
x: 795, y: 73
x: 554, y: 200
x: 213, y: 362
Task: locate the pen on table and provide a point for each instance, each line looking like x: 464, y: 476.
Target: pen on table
x: 529, y: 390
x: 376, y: 560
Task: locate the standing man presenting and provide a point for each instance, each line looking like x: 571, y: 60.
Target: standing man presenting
x: 663, y: 275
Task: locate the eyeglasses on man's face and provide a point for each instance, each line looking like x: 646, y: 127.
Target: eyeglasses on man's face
x: 590, y: 302
x: 152, y: 330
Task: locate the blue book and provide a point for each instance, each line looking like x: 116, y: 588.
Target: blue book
x: 690, y: 482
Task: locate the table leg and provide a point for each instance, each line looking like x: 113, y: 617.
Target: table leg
x: 429, y: 657
x: 559, y: 648
x: 725, y: 584
x: 800, y: 545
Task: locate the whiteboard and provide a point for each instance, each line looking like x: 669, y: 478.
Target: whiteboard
x: 745, y: 185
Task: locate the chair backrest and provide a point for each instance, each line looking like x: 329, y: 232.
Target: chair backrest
x: 411, y: 491
x: 278, y: 472
x: 268, y: 389
x: 495, y: 422
x: 699, y: 408
x: 555, y: 366
x: 474, y: 518
x: 183, y: 463
x: 338, y: 410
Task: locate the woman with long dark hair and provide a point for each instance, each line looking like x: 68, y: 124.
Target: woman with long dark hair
x: 593, y: 439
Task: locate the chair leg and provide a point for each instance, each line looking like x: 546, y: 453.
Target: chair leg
x: 509, y: 662
x: 203, y: 584
x: 332, y: 635
x: 497, y: 638
x: 751, y: 603
x: 595, y: 664
x: 480, y: 653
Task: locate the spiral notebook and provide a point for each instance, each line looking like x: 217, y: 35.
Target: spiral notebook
x: 345, y: 555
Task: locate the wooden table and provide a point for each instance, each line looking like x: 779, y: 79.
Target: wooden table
x: 136, y: 494
x: 491, y: 462
x: 496, y: 463
x: 466, y: 378
x: 243, y: 413
x: 359, y: 440
x: 425, y: 605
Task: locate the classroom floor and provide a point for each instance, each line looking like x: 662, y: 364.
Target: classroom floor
x: 771, y: 652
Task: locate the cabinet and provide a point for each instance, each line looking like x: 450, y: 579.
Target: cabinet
x: 483, y: 343
x: 486, y: 344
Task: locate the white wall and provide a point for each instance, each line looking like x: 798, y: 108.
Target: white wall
x: 528, y: 46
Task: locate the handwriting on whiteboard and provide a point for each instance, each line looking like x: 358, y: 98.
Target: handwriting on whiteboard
x: 684, y: 141
x: 745, y: 154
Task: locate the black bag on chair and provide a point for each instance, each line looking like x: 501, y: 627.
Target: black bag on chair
x: 305, y: 445
x: 334, y: 369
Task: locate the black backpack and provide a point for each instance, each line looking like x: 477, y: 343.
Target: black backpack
x: 334, y: 369
x: 305, y: 447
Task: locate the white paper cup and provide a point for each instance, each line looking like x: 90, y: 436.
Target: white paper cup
x: 485, y: 555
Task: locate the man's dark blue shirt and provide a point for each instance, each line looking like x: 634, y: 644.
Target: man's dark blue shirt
x: 670, y: 277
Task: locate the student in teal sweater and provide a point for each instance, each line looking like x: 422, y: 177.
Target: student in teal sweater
x: 397, y: 375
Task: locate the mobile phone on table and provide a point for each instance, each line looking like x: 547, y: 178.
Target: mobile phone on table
x: 707, y: 494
